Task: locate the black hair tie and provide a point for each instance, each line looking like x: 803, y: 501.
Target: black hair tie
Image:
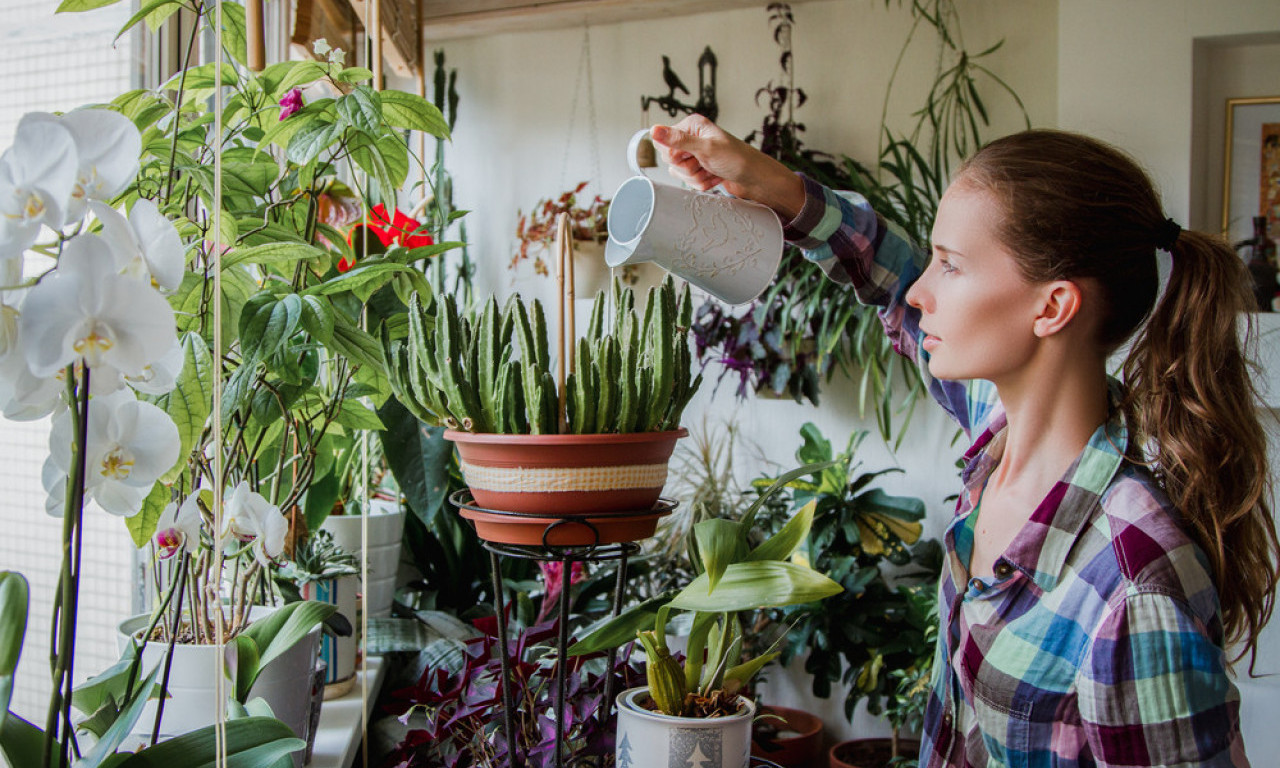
x: 1167, y: 235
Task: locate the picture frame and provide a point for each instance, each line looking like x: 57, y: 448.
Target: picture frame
x: 1251, y: 166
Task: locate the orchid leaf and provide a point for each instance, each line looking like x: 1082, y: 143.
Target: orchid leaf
x: 14, y: 599
x: 761, y: 584
x: 720, y: 542
x: 119, y: 730
x: 780, y: 545
x: 251, y: 742
x: 277, y: 633
x: 21, y: 743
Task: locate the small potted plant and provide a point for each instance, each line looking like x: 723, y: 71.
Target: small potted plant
x: 322, y: 571
x: 697, y: 706
x: 597, y: 442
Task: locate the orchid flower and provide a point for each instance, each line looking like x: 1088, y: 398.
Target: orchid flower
x: 160, y: 377
x: 178, y: 529
x: 146, y: 245
x: 107, y: 145
x: 248, y: 518
x: 130, y: 445
x: 86, y: 311
x: 37, y: 176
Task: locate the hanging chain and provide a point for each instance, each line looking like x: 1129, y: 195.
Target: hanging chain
x: 584, y: 71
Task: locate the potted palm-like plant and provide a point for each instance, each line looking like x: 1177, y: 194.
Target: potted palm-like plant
x: 596, y: 443
x: 695, y: 710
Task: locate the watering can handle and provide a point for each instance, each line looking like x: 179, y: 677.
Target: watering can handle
x: 633, y: 149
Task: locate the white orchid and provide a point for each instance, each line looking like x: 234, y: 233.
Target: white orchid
x: 107, y: 145
x: 130, y: 445
x: 247, y: 518
x: 159, y: 377
x: 85, y: 311
x: 145, y: 245
x: 37, y: 176
x: 178, y: 529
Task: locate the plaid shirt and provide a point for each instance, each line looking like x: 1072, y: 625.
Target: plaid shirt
x: 1099, y: 640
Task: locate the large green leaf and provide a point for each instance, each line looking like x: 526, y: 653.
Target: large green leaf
x: 189, y: 402
x: 780, y: 545
x: 120, y: 729
x: 234, y: 30
x: 154, y: 11
x: 761, y: 584
x: 280, y: 78
x: 355, y: 415
x: 14, y: 597
x: 355, y: 344
x: 251, y: 742
x: 21, y: 743
x: 408, y: 110
x: 75, y: 6
x: 277, y: 633
x: 275, y: 254
x: 311, y: 139
x: 613, y: 632
x: 362, y: 281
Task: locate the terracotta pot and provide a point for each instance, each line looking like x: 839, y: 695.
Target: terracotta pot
x: 576, y: 531
x: 801, y: 749
x: 556, y: 475
x: 869, y: 753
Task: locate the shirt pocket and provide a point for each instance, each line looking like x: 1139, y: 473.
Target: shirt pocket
x: 1004, y: 720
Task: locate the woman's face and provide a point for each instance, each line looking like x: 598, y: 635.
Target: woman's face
x: 976, y: 309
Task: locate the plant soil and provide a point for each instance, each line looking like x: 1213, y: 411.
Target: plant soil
x: 718, y: 704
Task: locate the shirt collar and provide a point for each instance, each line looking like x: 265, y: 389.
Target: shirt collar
x: 1040, y: 549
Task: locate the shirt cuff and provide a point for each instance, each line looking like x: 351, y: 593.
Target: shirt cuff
x: 817, y: 220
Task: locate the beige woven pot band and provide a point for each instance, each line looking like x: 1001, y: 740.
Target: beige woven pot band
x: 564, y: 479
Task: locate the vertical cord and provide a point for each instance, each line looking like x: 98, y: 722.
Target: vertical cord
x: 220, y: 717
x: 375, y: 23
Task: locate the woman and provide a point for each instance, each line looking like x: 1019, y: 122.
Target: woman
x: 1111, y: 538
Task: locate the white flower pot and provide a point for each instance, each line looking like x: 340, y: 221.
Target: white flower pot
x: 386, y: 527
x: 654, y: 740
x: 339, y: 653
x: 285, y: 683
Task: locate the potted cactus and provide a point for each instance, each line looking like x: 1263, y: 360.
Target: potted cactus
x: 595, y: 442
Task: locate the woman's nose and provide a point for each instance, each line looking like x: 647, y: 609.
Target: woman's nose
x: 916, y: 294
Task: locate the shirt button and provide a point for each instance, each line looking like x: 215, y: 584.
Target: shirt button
x: 946, y: 720
x: 1003, y: 570
x: 976, y: 585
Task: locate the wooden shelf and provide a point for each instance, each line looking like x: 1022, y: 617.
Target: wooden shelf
x: 450, y: 19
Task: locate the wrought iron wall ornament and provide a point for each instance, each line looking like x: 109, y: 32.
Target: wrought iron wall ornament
x: 706, y: 104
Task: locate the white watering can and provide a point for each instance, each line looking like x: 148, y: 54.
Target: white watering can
x: 726, y: 246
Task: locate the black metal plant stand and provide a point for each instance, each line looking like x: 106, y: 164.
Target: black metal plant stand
x: 566, y: 556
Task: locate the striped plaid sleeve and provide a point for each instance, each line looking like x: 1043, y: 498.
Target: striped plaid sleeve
x: 853, y: 245
x: 1153, y: 690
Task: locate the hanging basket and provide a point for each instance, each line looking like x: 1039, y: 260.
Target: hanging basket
x: 557, y: 475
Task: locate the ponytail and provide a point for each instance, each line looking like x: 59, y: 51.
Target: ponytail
x: 1074, y: 208
x: 1192, y: 402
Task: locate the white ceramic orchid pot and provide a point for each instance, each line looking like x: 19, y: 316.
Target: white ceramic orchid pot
x: 648, y: 739
x: 386, y: 528
x: 728, y: 247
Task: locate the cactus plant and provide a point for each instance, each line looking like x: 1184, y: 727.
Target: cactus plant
x: 459, y: 368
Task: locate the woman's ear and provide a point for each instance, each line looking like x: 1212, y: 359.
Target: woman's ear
x: 1062, y: 302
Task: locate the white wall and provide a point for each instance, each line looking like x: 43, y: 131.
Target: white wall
x: 516, y: 143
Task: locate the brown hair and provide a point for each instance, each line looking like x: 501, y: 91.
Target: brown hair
x: 1074, y: 208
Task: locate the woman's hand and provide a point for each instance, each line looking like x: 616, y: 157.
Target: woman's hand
x: 703, y: 155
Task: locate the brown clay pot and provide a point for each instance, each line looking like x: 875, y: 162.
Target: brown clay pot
x: 577, y: 531
x: 802, y: 749
x: 557, y: 475
x: 869, y: 753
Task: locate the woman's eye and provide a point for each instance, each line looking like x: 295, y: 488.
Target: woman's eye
x: 946, y: 266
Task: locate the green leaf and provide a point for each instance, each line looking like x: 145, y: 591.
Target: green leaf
x: 14, y: 598
x: 720, y: 542
x: 76, y: 6
x: 142, y: 526
x: 355, y: 415
x: 311, y: 139
x: 201, y: 77
x: 189, y: 402
x: 362, y: 109
x: 154, y: 11
x: 271, y: 254
x: 283, y: 131
x: 616, y: 631
x: 422, y: 252
x: 248, y: 664
x: 251, y: 742
x: 267, y: 322
x: 780, y: 545
x: 317, y: 317
x: 762, y: 584
x: 412, y: 112
x: 354, y: 75
x: 280, y: 78
x: 21, y: 743
x: 119, y: 730
x: 279, y: 632
x: 902, y: 507
x: 358, y: 346
x: 362, y: 281
x: 106, y: 686
x: 234, y: 30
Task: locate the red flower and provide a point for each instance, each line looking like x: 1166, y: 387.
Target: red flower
x: 400, y: 230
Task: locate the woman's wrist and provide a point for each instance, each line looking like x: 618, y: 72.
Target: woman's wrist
x: 779, y: 188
